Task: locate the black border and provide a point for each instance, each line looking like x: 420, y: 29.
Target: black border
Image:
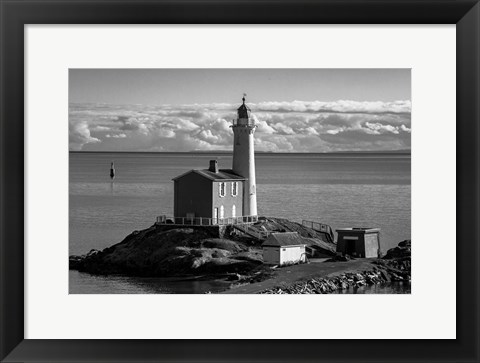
x: 16, y: 13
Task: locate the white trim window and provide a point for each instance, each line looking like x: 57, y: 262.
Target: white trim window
x: 234, y: 189
x: 222, y: 213
x: 234, y: 211
x: 221, y: 189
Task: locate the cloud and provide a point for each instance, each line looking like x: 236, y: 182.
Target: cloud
x: 79, y: 135
x: 297, y: 126
x: 341, y: 106
x: 116, y: 136
x: 378, y: 128
x: 100, y: 128
x: 283, y: 129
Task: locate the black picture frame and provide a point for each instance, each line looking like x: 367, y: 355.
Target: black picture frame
x: 15, y: 14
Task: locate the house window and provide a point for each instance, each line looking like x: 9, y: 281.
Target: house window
x: 234, y: 189
x: 221, y: 212
x: 221, y: 189
x: 234, y: 211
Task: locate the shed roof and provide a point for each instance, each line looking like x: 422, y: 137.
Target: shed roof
x: 284, y: 239
x: 223, y: 174
x: 357, y: 230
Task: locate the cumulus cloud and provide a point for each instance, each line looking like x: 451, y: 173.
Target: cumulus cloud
x: 296, y: 126
x: 116, y: 136
x: 79, y: 135
x: 377, y: 128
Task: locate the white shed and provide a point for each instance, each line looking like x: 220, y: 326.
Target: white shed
x: 283, y: 248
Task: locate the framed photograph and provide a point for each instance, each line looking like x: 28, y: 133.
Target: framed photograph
x: 169, y: 169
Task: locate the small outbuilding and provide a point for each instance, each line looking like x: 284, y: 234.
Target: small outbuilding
x: 359, y: 242
x: 284, y: 248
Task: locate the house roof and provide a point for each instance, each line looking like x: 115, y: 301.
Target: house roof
x: 223, y: 174
x: 284, y: 239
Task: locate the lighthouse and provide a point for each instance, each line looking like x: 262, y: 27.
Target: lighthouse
x: 244, y: 156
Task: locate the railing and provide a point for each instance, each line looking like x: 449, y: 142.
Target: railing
x: 317, y: 226
x: 250, y: 123
x: 200, y: 221
x: 261, y: 235
x: 320, y: 227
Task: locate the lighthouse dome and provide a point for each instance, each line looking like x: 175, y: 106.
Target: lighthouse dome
x: 243, y: 111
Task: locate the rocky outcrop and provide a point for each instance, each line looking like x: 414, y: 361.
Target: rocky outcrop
x: 284, y: 225
x: 317, y: 241
x: 174, y: 251
x: 404, y: 249
x: 181, y: 251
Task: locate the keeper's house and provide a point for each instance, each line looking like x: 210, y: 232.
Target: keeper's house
x: 283, y: 248
x: 359, y: 242
x: 208, y: 196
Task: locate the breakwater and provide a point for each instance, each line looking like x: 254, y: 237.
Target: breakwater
x: 344, y: 281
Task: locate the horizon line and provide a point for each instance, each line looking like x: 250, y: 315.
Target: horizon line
x: 402, y: 151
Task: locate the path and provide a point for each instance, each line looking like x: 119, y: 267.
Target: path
x: 291, y: 274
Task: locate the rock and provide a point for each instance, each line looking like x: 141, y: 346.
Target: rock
x: 406, y: 243
x: 158, y: 252
x: 402, y: 250
x: 385, y: 275
x: 234, y: 277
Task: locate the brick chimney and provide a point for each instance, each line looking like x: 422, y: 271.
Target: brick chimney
x: 213, y: 166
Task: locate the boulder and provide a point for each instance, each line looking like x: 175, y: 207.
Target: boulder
x: 406, y: 243
x: 402, y: 250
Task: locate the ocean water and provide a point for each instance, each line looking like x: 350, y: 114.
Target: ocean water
x: 342, y: 190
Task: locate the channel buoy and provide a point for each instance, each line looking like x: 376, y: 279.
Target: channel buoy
x: 112, y: 171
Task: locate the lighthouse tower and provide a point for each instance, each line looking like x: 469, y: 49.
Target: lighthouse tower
x: 244, y: 157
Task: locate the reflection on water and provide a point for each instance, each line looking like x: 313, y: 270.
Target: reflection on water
x: 386, y: 288
x: 83, y: 283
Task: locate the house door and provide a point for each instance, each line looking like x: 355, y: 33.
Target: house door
x: 215, y: 216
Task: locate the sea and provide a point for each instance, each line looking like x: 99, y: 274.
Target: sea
x: 340, y: 189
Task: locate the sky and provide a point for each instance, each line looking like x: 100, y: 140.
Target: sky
x: 296, y: 110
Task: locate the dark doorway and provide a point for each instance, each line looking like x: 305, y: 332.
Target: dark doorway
x: 350, y: 247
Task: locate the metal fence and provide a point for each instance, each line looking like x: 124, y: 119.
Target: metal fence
x: 317, y: 226
x: 200, y: 221
x: 261, y: 235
